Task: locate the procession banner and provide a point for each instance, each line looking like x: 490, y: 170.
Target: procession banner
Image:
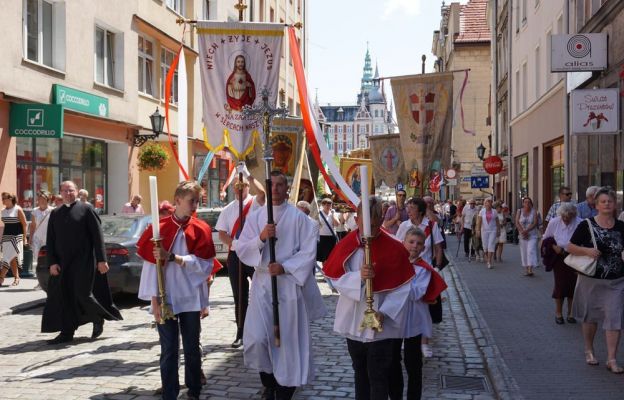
x: 387, y: 159
x: 350, y: 171
x: 284, y: 140
x: 424, y: 114
x: 238, y: 61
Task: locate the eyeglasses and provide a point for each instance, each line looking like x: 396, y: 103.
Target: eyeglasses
x: 568, y: 194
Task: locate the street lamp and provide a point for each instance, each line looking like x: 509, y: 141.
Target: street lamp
x: 157, y: 122
x: 481, y: 152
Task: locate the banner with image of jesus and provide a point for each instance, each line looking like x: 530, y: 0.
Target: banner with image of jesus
x: 238, y: 61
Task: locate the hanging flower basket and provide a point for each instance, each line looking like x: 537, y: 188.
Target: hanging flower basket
x: 152, y: 157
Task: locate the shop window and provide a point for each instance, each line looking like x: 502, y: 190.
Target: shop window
x: 24, y: 185
x: 72, y: 151
x: 108, y: 57
x: 47, y: 151
x: 166, y: 59
x: 44, y: 32
x: 146, y: 66
x: 24, y: 149
x: 522, y: 177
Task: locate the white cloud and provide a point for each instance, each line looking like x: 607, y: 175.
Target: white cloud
x: 405, y: 7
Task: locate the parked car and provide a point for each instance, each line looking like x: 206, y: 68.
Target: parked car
x: 121, y: 233
x: 210, y: 216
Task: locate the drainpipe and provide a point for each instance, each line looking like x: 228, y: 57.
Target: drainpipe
x: 566, y: 100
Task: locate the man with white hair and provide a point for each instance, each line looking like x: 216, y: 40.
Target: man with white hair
x: 587, y: 208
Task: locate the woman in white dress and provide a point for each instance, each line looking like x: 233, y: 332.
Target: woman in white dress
x: 526, y: 222
x: 39, y: 222
x: 488, y: 228
x: 13, y: 238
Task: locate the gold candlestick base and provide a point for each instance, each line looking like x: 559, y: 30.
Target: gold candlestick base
x: 371, y: 321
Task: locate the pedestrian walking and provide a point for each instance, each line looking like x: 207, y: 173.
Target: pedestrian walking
x: 83, y: 196
x: 39, y: 223
x: 467, y: 215
x: 328, y: 222
x: 78, y: 291
x: 488, y: 229
x: 397, y: 213
x: 432, y: 254
x: 282, y: 369
x: 565, y: 196
x: 587, y: 208
x: 598, y: 298
x: 426, y: 287
x: 560, y: 230
x: 229, y: 225
x: 527, y: 221
x: 187, y: 253
x: 372, y: 352
x: 133, y: 206
x: 501, y: 210
x: 13, y: 238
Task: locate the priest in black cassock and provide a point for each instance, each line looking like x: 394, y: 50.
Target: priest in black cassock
x: 78, y: 291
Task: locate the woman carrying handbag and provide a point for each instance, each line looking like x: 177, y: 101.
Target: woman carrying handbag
x: 598, y: 298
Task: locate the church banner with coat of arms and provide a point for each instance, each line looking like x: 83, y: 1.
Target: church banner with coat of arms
x: 424, y: 108
x: 387, y: 159
x: 238, y: 61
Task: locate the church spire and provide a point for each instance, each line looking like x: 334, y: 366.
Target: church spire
x: 367, y: 76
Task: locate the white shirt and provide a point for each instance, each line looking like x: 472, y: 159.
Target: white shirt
x: 185, y: 285
x: 323, y: 228
x: 41, y: 219
x: 492, y: 225
x: 300, y: 300
x: 467, y: 216
x: 352, y: 304
x: 230, y: 213
x: 561, y: 232
x: 437, y: 236
x: 417, y: 319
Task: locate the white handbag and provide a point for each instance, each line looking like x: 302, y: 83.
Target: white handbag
x: 584, y: 264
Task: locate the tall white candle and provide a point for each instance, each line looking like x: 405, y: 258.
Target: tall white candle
x: 365, y: 203
x: 154, y: 203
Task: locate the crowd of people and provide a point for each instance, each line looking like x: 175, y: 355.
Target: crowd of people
x: 407, y: 250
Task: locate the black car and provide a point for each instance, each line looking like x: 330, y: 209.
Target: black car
x: 121, y: 233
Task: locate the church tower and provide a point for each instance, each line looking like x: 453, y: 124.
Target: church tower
x: 367, y: 76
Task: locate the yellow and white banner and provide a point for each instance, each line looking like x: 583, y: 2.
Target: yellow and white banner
x: 238, y: 60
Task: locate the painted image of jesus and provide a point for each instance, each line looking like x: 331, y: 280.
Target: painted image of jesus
x: 240, y: 88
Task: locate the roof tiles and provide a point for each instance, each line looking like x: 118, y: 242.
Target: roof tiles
x: 473, y: 27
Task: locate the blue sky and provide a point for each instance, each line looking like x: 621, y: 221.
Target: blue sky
x: 399, y: 32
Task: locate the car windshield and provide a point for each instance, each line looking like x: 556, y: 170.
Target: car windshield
x: 119, y: 226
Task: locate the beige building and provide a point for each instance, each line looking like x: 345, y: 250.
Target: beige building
x: 106, y: 63
x: 463, y: 43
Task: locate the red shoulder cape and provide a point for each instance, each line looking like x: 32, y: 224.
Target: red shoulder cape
x: 197, y: 232
x: 389, y: 256
x: 436, y: 285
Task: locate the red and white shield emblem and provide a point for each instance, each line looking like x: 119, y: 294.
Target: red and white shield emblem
x: 422, y: 107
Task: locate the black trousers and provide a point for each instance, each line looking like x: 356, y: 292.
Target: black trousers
x: 467, y: 236
x: 412, y: 358
x: 372, y: 366
x: 247, y: 272
x: 280, y: 392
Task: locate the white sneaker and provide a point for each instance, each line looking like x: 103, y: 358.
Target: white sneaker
x: 426, y: 351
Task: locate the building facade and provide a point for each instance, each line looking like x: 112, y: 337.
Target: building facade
x: 106, y: 63
x: 462, y: 45
x: 347, y: 127
x: 598, y: 159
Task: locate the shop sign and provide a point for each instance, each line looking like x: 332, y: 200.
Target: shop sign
x: 578, y: 52
x: 78, y: 100
x: 595, y: 111
x: 36, y: 120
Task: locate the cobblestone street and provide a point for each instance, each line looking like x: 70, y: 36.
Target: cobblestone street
x: 123, y: 363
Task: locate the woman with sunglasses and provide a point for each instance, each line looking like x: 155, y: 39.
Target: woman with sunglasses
x: 13, y: 238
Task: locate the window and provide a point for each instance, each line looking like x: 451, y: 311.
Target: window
x: 44, y: 32
x: 538, y: 73
x: 339, y: 128
x: 340, y: 147
x: 548, y: 59
x: 146, y: 66
x: 524, y: 86
x: 177, y: 6
x: 349, y: 128
x: 291, y: 105
x: 524, y: 11
x: 271, y: 15
x: 518, y: 86
x: 108, y: 57
x: 349, y: 142
x: 166, y: 59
